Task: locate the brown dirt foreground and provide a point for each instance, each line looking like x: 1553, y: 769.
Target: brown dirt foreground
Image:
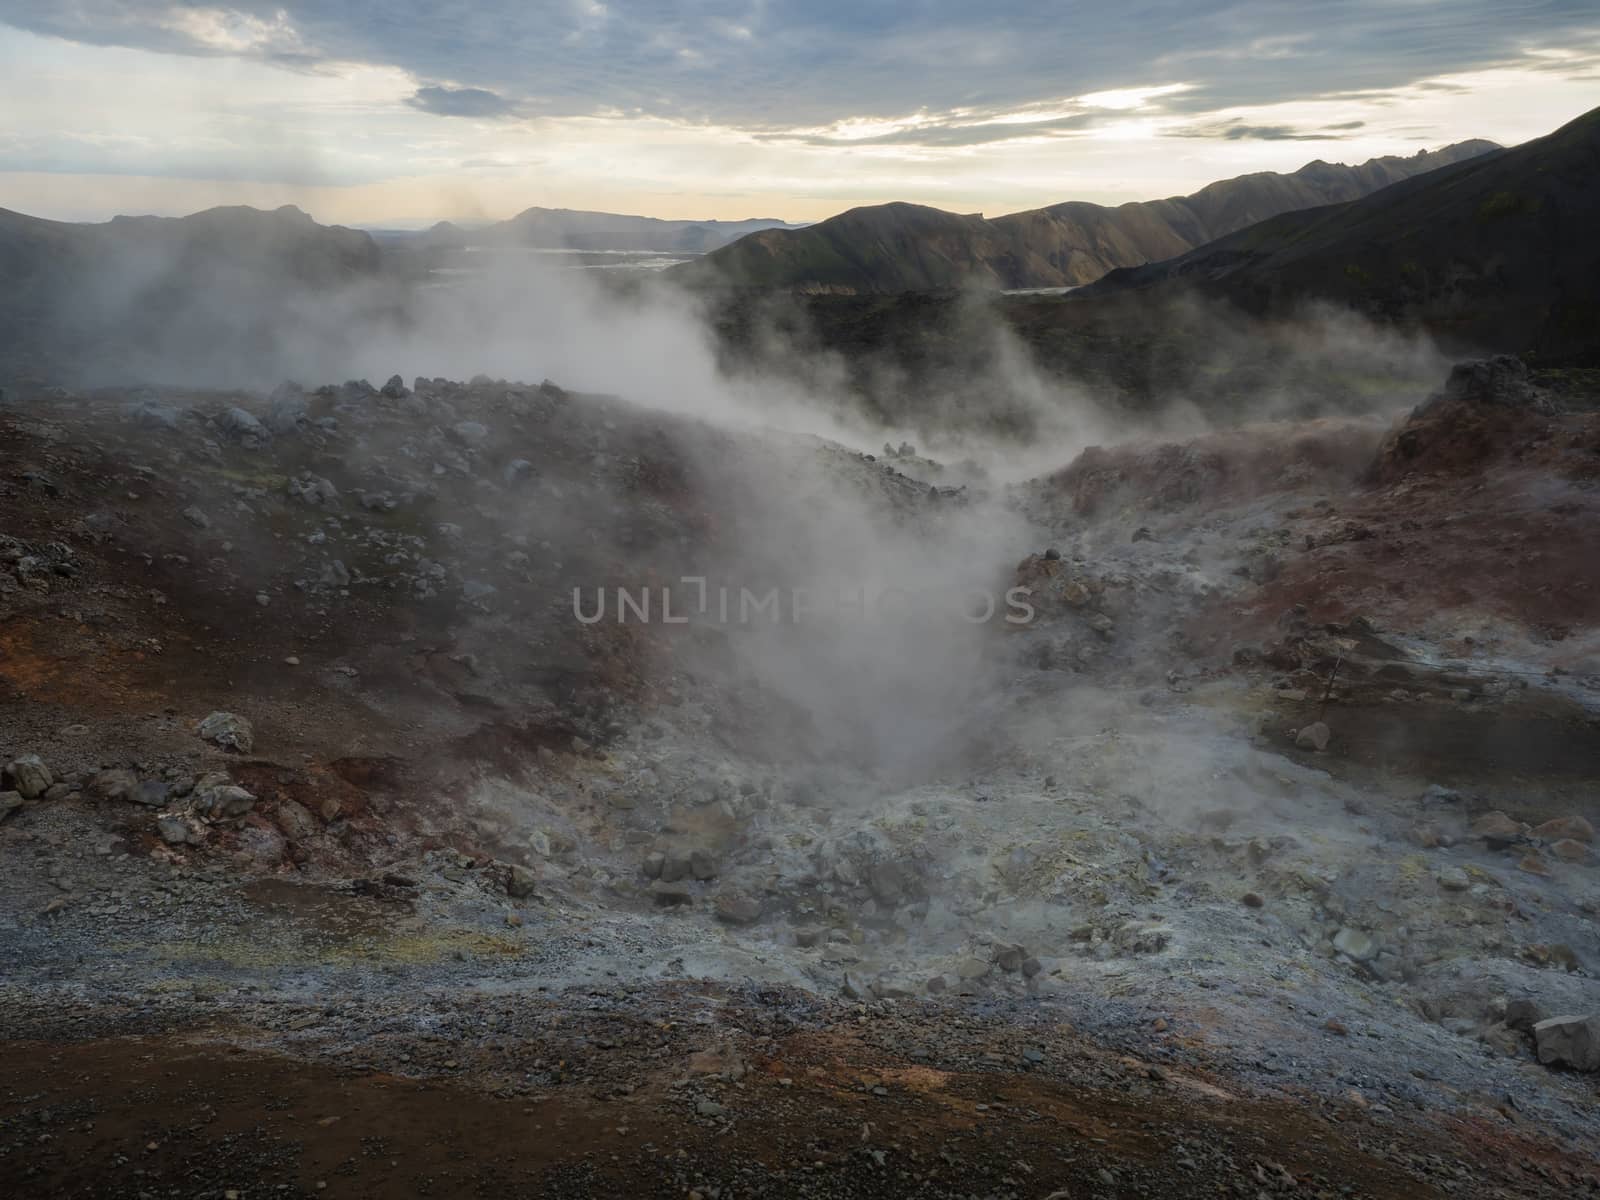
x: 163, y: 1116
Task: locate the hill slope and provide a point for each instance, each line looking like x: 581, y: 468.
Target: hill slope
x: 212, y: 289
x: 908, y: 247
x: 1501, y: 252
x: 573, y: 229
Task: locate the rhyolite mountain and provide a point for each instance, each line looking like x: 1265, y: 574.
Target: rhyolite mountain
x: 909, y: 247
x: 217, y: 289
x: 575, y: 229
x: 1500, y: 252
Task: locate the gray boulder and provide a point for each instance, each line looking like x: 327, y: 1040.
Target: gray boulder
x: 228, y: 730
x: 156, y: 416
x: 115, y: 784
x: 1355, y: 944
x: 176, y: 831
x: 1501, y: 381
x: 1569, y: 1042
x: 286, y: 407
x: 243, y: 427
x: 218, y: 798
x: 1009, y: 958
x: 314, y: 490
x: 295, y: 820
x: 151, y: 793
x: 29, y: 776
x: 738, y: 910
x: 1313, y: 737
x: 264, y: 846
x: 10, y: 802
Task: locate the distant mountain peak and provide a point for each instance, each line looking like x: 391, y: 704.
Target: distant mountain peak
x: 1494, y: 251
x: 902, y: 246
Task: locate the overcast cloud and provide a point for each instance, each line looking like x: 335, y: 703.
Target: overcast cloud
x: 358, y: 93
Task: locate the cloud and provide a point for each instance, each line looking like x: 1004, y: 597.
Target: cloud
x: 726, y: 107
x: 761, y: 66
x: 461, y: 102
x: 965, y: 129
x: 1238, y: 130
x: 1269, y: 133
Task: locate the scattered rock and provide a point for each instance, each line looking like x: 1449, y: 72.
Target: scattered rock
x: 1572, y: 827
x: 219, y: 799
x: 1355, y: 944
x: 152, y: 793
x: 313, y: 490
x: 264, y: 846
x: 1252, y: 900
x: 1497, y: 829
x: 674, y: 867
x: 1523, y: 1014
x: 1313, y: 737
x: 702, y: 865
x: 671, y: 895
x: 1453, y: 879
x: 29, y: 776
x: 115, y: 784
x: 1569, y: 1041
x: 1569, y: 850
x: 286, y: 407
x: 228, y: 730
x: 10, y: 802
x: 1009, y: 958
x: 176, y: 830
x: 242, y: 427
x: 521, y: 882
x: 1425, y: 835
x: 296, y: 820
x: 738, y: 910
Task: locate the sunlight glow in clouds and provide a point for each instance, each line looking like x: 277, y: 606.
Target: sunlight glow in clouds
x: 735, y: 109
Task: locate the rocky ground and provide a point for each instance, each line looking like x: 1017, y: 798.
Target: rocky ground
x: 343, y: 858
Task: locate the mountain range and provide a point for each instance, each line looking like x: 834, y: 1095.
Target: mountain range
x: 1501, y: 251
x: 218, y: 285
x: 572, y: 229
x: 908, y: 247
x: 1490, y: 248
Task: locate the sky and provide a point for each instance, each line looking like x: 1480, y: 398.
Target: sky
x: 403, y: 112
